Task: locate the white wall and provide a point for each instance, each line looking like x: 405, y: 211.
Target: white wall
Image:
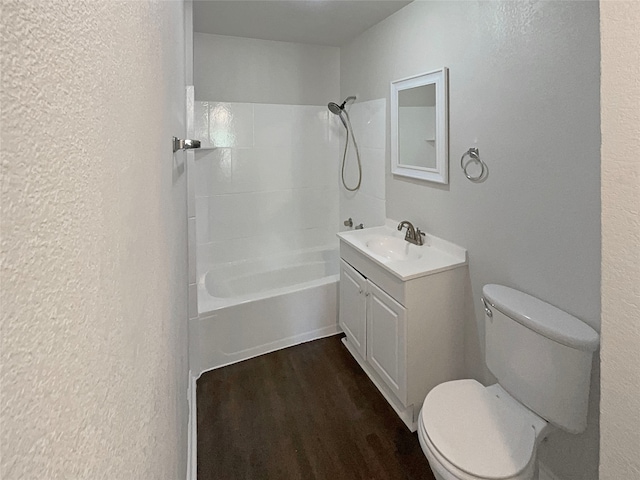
x: 620, y: 353
x: 270, y: 185
x: 524, y: 89
x: 94, y: 275
x: 234, y: 69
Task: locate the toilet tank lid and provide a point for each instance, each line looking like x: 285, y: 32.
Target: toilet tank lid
x: 542, y: 318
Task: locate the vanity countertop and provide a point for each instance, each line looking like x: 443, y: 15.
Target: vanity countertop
x: 384, y: 246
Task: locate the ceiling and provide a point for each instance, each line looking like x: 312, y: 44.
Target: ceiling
x: 321, y: 22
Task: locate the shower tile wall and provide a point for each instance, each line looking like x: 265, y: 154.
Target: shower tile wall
x: 267, y: 181
x: 367, y: 205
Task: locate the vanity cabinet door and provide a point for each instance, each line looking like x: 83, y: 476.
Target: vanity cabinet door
x: 352, y: 315
x: 386, y: 340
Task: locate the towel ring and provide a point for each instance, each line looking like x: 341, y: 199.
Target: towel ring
x: 474, y: 157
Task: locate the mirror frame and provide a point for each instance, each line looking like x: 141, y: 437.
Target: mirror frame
x: 439, y: 174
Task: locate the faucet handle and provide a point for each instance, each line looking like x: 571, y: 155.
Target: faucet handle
x: 419, y: 235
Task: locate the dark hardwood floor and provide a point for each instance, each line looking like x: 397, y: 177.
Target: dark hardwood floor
x: 306, y: 412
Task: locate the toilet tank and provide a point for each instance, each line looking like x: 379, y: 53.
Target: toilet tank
x: 541, y: 355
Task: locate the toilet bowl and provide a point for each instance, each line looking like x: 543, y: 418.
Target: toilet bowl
x: 471, y: 432
x: 541, y: 357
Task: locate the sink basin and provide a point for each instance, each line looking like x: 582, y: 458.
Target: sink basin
x: 392, y: 248
x: 386, y: 247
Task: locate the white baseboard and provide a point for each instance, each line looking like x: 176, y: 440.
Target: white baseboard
x: 292, y: 341
x: 192, y: 433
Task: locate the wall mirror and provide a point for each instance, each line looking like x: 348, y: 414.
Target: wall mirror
x: 419, y: 127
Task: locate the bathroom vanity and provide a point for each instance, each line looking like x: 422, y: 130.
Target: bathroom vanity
x: 402, y: 308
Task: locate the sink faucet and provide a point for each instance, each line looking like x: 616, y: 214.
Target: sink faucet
x: 414, y: 235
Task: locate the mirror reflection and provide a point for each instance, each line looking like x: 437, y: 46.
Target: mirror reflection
x: 417, y: 126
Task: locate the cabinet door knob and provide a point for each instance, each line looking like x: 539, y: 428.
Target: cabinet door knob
x: 360, y: 291
x: 366, y: 294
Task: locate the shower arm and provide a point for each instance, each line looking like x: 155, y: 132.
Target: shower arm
x: 346, y: 100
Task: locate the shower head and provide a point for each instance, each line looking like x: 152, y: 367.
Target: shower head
x: 335, y: 108
x: 338, y: 109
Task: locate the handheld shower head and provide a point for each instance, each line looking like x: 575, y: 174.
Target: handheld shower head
x: 338, y: 109
x: 335, y: 108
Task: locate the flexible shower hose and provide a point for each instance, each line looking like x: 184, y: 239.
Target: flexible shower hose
x: 348, y: 128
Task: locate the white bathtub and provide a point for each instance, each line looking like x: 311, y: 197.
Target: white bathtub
x: 253, y: 307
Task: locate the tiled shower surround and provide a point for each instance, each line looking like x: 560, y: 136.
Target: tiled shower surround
x: 266, y: 180
x: 367, y: 205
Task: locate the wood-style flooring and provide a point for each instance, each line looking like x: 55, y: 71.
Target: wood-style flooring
x: 305, y: 412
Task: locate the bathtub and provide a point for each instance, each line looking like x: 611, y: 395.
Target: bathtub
x: 249, y: 308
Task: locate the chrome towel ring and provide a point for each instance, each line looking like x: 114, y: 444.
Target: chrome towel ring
x: 474, y: 158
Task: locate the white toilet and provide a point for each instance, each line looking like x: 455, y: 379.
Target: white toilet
x: 541, y: 357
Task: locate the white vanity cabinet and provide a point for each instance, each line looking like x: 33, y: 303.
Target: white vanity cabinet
x: 353, y: 307
x: 375, y: 325
x: 406, y: 332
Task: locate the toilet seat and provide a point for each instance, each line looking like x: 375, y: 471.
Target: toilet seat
x: 480, y: 431
x: 444, y: 470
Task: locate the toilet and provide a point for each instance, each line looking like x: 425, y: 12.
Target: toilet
x: 541, y: 358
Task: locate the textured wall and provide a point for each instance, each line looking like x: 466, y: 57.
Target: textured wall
x: 524, y: 89
x: 620, y: 351
x: 234, y: 69
x: 93, y: 225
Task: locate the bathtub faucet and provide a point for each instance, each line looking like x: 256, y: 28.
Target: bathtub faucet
x: 414, y: 235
